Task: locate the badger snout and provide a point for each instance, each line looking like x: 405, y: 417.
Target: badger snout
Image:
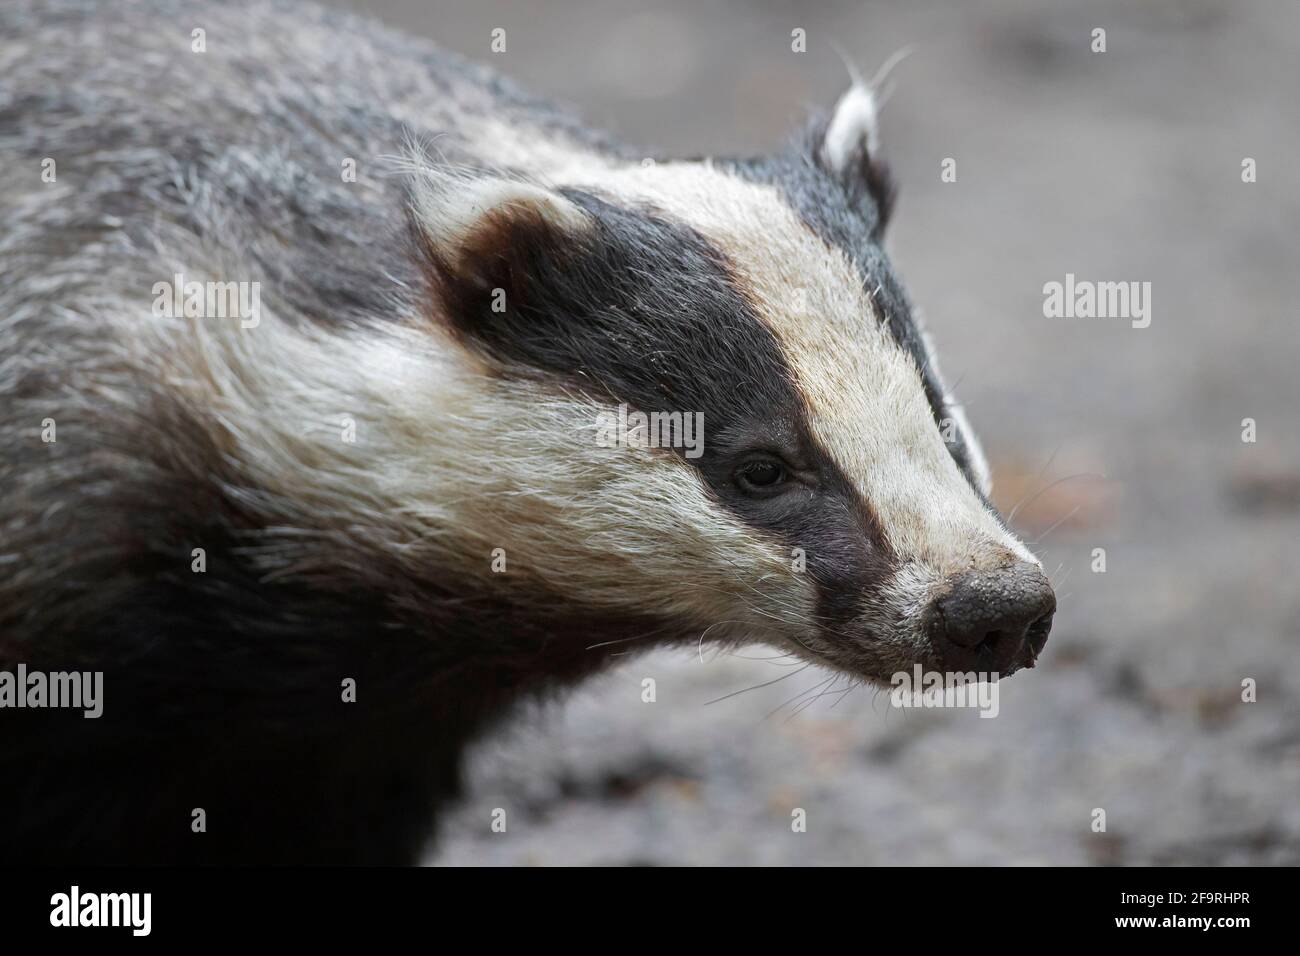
x: 993, y: 621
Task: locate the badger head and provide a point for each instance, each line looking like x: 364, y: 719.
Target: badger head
x: 834, y: 501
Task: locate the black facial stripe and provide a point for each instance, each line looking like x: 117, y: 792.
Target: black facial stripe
x: 648, y: 312
x: 824, y: 206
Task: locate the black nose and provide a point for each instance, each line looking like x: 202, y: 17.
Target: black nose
x: 993, y: 621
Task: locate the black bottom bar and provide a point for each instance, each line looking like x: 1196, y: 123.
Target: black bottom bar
x: 336, y: 905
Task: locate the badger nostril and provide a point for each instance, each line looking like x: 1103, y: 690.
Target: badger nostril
x: 1036, y: 636
x: 993, y: 620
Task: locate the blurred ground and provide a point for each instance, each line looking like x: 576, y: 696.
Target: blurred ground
x: 1117, y: 166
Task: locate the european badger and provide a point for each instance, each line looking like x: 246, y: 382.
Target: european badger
x: 389, y: 471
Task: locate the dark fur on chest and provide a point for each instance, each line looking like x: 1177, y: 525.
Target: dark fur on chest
x: 231, y: 701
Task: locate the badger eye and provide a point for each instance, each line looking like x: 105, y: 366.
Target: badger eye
x: 762, y: 477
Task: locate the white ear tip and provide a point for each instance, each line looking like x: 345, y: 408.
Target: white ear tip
x: 852, y: 127
x: 449, y: 208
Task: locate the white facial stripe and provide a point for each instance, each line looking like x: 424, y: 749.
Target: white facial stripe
x: 448, y: 464
x: 866, y: 402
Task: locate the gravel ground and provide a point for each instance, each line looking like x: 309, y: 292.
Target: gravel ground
x: 1123, y: 165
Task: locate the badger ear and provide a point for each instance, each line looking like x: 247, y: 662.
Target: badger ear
x: 488, y: 242
x: 853, y: 133
x: 850, y: 151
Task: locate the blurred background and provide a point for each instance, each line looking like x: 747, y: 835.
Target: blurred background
x: 1117, y: 166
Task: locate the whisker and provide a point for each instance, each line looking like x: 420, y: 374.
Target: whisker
x: 854, y: 683
x: 797, y: 696
x: 1057, y: 524
x: 1060, y: 481
x: 1037, y: 477
x: 736, y: 693
x: 776, y: 660
x: 624, y: 640
x: 808, y: 703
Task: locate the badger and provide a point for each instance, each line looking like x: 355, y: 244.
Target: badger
x: 318, y: 542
